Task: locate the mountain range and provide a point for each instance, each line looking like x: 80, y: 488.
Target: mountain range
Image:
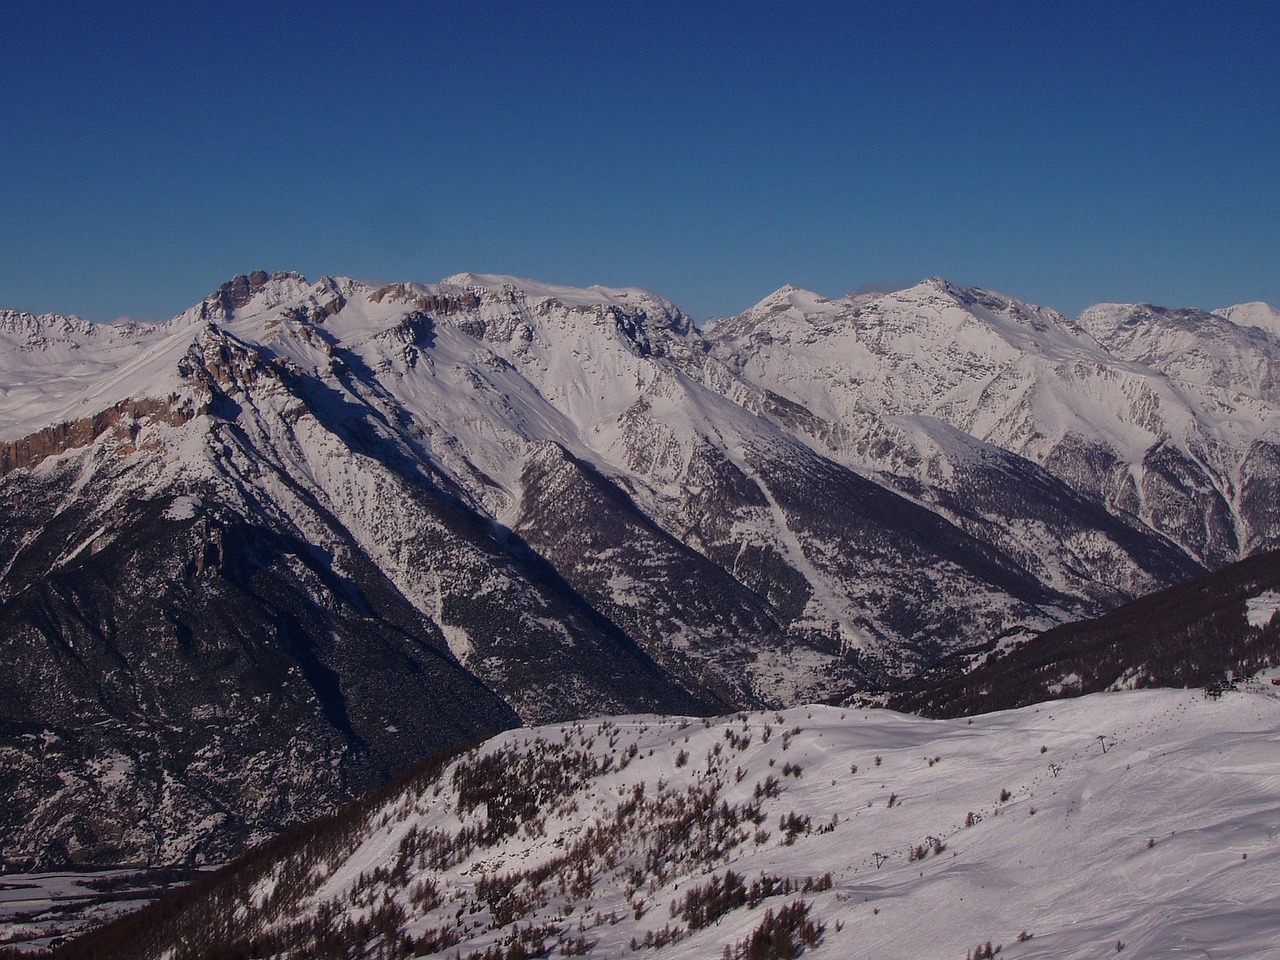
x: 262, y: 557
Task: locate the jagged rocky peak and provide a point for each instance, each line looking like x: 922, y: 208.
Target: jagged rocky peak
x: 29, y: 327
x: 499, y: 287
x: 497, y: 307
x: 435, y: 301
x: 255, y: 289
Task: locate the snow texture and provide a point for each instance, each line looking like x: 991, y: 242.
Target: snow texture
x: 1136, y: 821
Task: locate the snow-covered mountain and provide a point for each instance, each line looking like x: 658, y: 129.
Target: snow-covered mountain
x: 1201, y: 633
x: 1254, y: 314
x: 1166, y: 417
x: 1141, y: 822
x: 259, y: 557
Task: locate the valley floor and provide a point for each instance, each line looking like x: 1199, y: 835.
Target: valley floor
x: 39, y: 910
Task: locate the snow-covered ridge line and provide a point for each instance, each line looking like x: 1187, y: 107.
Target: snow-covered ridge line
x: 1138, y: 821
x: 1109, y: 403
x: 18, y: 323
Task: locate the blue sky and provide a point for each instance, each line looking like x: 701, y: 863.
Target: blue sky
x: 1063, y: 153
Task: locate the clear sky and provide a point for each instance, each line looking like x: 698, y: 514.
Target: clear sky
x: 1065, y: 153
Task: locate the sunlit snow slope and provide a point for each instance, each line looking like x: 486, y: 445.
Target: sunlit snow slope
x: 1141, y: 821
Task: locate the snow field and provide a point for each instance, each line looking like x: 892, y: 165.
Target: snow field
x: 1165, y: 841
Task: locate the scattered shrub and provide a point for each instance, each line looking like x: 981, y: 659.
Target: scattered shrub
x: 782, y: 935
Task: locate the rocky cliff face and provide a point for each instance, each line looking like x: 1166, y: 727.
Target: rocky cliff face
x: 260, y: 557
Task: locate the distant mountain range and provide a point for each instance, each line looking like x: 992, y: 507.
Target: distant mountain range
x: 261, y: 557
